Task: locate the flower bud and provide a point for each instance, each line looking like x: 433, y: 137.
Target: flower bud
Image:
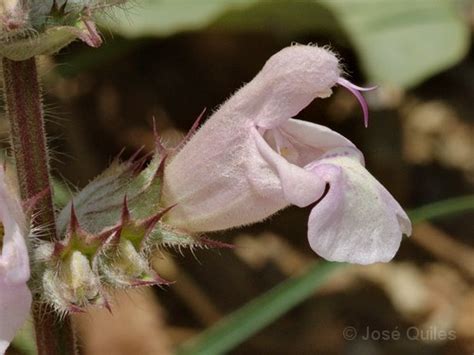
x: 72, y: 285
x: 126, y: 267
x: 70, y: 278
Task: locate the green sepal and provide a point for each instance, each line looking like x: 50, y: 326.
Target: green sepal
x: 77, y: 239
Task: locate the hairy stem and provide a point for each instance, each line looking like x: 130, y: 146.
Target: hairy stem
x: 28, y: 139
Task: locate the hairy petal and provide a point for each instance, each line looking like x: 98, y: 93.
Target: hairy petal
x: 220, y: 179
x: 251, y: 159
x: 222, y: 183
x: 358, y: 221
x: 300, y: 187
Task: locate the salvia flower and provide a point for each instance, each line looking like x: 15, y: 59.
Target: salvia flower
x: 251, y: 159
x: 15, y: 297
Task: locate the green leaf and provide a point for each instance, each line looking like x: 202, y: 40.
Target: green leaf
x: 167, y: 17
x: 158, y: 18
x: 399, y: 43
x: 403, y: 42
x: 262, y: 311
x: 444, y: 208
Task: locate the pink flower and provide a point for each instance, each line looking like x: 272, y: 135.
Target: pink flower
x: 15, y: 297
x: 251, y: 159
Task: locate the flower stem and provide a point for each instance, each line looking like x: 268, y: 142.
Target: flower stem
x: 28, y: 140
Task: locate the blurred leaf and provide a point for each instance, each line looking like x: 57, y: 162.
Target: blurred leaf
x: 262, y: 311
x: 62, y: 194
x: 399, y: 43
x: 403, y: 42
x: 25, y: 339
x: 166, y: 17
x: 443, y: 208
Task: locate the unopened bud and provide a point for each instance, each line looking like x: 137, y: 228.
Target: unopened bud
x: 73, y: 285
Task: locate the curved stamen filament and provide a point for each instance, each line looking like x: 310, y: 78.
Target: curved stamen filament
x: 354, y: 89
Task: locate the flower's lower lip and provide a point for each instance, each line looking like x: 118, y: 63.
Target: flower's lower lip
x: 354, y: 89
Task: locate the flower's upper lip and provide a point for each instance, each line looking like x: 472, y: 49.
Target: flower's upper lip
x: 354, y: 89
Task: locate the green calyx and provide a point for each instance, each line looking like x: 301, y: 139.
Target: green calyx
x: 109, y: 233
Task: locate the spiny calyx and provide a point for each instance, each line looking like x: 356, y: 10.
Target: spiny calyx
x: 110, y: 232
x: 80, y: 269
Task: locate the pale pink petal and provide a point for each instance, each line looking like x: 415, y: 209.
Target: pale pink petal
x: 315, y: 135
x: 15, y: 297
x: 315, y: 140
x: 358, y: 221
x: 14, y: 261
x: 250, y: 159
x: 290, y: 80
x: 300, y: 187
x: 220, y: 179
x: 15, y: 302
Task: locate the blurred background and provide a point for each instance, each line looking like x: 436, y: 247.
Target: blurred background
x: 169, y: 59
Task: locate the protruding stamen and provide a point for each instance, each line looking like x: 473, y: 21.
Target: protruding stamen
x: 354, y: 89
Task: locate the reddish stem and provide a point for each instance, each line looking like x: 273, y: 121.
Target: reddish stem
x: 28, y: 141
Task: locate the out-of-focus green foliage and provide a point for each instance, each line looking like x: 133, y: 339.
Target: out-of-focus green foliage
x: 399, y: 42
x: 405, y: 41
x: 453, y: 206
x: 24, y: 340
